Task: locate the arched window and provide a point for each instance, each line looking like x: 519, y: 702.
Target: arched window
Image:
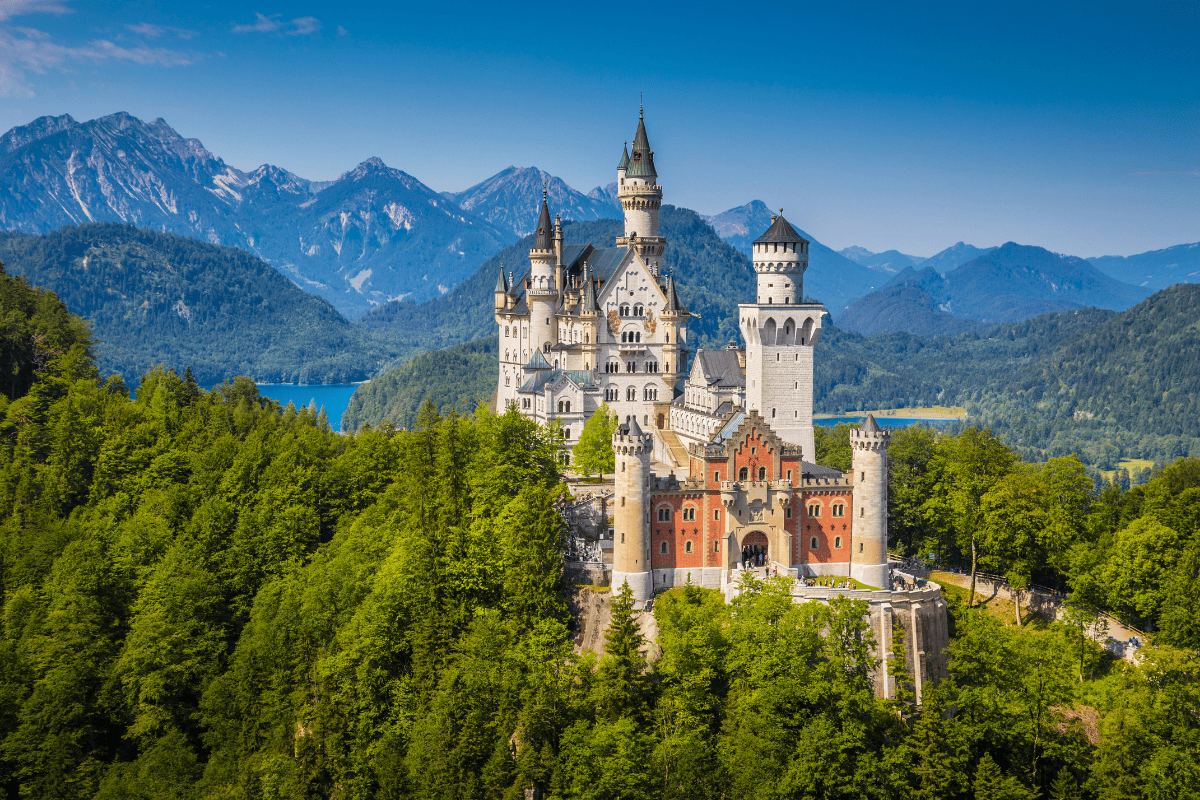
x: 839, y: 510
x: 631, y: 394
x: 507, y: 381
x: 687, y: 547
x: 837, y: 542
x: 624, y: 311
x: 743, y: 474
x: 812, y: 543
x: 664, y: 514
x: 639, y: 337
x: 762, y: 473
x: 814, y: 510
x: 637, y: 310
x: 505, y: 331
x: 662, y: 547
x: 667, y: 336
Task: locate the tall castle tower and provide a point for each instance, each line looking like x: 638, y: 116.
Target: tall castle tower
x: 631, y: 520
x: 868, y: 529
x: 641, y: 197
x: 780, y: 330
x: 543, y: 290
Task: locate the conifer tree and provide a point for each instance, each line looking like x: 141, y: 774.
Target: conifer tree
x: 620, y: 681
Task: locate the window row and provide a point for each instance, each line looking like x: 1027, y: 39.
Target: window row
x: 835, y: 510
x: 614, y: 367
x: 638, y: 310
x: 665, y: 548
x: 613, y: 393
x: 813, y: 544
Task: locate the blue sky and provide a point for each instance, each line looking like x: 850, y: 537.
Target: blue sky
x: 1073, y: 127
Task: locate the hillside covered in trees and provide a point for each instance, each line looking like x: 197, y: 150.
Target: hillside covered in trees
x: 157, y: 298
x: 209, y: 596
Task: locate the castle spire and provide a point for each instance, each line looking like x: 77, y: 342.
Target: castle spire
x: 545, y: 229
x: 624, y: 162
x: 642, y: 160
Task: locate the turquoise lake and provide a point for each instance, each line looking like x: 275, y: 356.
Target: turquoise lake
x: 334, y: 397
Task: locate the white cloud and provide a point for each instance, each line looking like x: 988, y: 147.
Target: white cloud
x: 303, y: 26
x: 261, y: 24
x: 154, y: 31
x: 28, y: 50
x: 342, y: 31
x: 300, y: 26
x: 21, y: 8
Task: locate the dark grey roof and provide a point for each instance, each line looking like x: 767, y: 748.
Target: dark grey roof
x: 780, y: 231
x: 810, y: 470
x: 870, y: 425
x: 722, y: 368
x: 673, y: 303
x: 565, y: 347
x: 724, y: 408
x: 538, y: 382
x: 545, y: 229
x: 624, y: 162
x: 538, y: 361
x: 588, y: 299
x: 633, y: 428
x: 641, y: 163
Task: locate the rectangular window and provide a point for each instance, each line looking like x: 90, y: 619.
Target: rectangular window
x: 789, y: 474
x: 716, y: 514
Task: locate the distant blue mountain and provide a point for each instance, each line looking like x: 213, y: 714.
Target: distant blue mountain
x: 1156, y: 269
x: 1007, y: 284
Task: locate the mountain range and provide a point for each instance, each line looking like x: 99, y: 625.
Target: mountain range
x: 374, y: 234
x: 831, y: 277
x: 512, y: 198
x: 887, y: 261
x: 1007, y: 284
x: 157, y: 298
x: 1156, y: 269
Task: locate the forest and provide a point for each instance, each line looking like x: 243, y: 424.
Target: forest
x: 159, y: 299
x: 209, y: 596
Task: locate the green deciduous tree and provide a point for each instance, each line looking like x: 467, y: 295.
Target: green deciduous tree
x: 594, y: 451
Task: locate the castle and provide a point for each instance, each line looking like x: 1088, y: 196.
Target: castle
x: 585, y: 326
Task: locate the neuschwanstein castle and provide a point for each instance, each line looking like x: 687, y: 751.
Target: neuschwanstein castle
x: 587, y: 325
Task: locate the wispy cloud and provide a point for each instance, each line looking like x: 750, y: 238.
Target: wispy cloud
x: 342, y: 31
x: 261, y: 24
x: 23, y: 8
x: 154, y: 31
x: 300, y: 26
x: 28, y: 50
x: 303, y: 26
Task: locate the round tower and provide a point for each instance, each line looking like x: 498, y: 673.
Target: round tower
x: 542, y: 292
x: 780, y: 259
x: 631, y: 524
x: 641, y: 198
x: 868, y: 529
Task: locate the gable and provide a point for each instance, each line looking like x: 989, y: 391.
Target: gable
x: 631, y: 283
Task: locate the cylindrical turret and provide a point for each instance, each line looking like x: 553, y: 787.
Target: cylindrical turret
x: 868, y: 530
x: 780, y: 259
x: 641, y: 198
x: 542, y: 291
x: 631, y: 524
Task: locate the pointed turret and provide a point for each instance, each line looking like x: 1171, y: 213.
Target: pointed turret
x: 502, y: 282
x: 870, y: 425
x: 623, y: 164
x: 589, y: 292
x: 544, y: 239
x: 641, y: 163
x: 673, y: 304
x: 635, y: 430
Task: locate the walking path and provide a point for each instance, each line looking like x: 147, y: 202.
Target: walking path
x: 1117, y: 639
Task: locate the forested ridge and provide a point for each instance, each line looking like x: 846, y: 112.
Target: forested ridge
x: 160, y: 299
x: 209, y: 596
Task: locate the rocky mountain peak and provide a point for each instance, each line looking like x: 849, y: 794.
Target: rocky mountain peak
x: 40, y: 128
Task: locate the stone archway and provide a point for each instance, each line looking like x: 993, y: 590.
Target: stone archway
x: 756, y: 548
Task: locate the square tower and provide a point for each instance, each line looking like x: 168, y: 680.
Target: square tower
x: 780, y: 330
